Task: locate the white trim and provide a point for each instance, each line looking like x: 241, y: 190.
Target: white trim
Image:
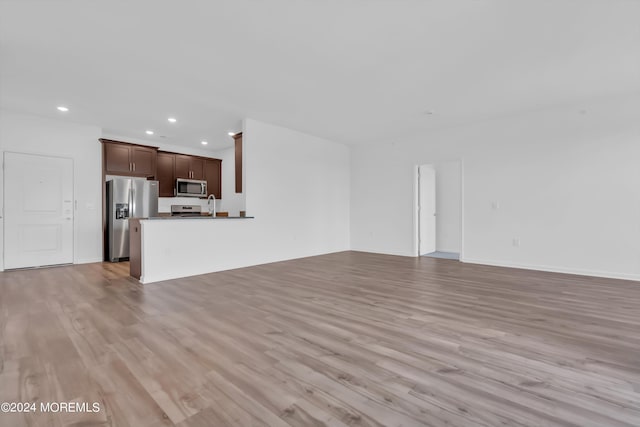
x: 553, y: 269
x: 461, y: 257
x: 416, y: 204
x: 379, y: 252
x: 416, y: 210
x: 88, y: 260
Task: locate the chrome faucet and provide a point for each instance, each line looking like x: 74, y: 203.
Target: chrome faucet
x: 210, y: 205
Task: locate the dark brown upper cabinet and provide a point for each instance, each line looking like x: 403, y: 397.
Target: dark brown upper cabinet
x: 213, y: 175
x: 238, y: 143
x: 173, y: 165
x: 128, y: 159
x: 165, y: 175
x: 144, y: 160
x: 189, y: 167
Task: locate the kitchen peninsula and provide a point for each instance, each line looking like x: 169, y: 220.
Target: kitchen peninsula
x: 164, y: 244
x: 174, y: 246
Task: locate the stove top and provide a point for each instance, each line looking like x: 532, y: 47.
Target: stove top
x: 186, y: 210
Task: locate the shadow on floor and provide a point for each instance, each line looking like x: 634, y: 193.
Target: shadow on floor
x: 443, y: 255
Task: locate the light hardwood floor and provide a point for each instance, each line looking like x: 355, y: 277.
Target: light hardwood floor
x: 341, y: 339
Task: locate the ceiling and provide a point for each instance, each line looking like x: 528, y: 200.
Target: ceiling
x: 355, y: 71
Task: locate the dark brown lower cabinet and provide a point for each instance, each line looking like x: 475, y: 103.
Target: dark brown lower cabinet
x: 135, y: 248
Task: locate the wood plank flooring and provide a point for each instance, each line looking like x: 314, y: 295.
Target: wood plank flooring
x: 347, y: 339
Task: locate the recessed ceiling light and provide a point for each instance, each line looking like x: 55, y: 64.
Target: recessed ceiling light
x: 172, y: 119
x: 203, y: 142
x: 149, y: 132
x: 231, y: 134
x: 63, y: 109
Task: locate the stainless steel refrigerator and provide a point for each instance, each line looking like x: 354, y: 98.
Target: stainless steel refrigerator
x: 127, y: 198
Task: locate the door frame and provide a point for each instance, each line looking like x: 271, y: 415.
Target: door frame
x: 416, y: 206
x: 420, y: 178
x: 75, y: 201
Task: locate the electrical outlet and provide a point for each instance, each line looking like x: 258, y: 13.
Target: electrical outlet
x: 495, y: 205
x: 516, y: 242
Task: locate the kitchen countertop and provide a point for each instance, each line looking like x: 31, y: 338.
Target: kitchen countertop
x: 201, y: 217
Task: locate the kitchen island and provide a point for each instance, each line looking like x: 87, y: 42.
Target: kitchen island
x: 169, y: 247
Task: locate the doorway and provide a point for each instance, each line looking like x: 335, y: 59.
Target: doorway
x: 426, y: 209
x: 38, y: 207
x: 439, y: 210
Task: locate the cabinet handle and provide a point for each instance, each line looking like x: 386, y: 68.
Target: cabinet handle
x: 134, y: 167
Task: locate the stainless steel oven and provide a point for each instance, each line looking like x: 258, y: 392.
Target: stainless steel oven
x: 191, y: 188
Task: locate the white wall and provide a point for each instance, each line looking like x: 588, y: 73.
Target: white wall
x: 195, y: 150
x: 36, y: 135
x: 448, y: 206
x: 567, y: 183
x: 297, y: 188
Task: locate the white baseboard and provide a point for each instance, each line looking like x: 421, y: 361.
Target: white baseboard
x: 87, y: 260
x: 554, y: 269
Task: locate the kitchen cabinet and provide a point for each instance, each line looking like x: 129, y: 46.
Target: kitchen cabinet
x: 135, y: 248
x: 213, y: 176
x: 197, y: 168
x: 165, y: 175
x: 128, y: 159
x: 182, y: 167
x: 189, y: 167
x: 238, y: 153
x: 174, y: 165
x: 143, y: 160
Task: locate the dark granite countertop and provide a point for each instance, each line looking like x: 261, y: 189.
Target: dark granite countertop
x: 201, y: 217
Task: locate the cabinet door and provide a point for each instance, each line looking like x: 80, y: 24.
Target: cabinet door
x: 183, y: 166
x: 165, y: 175
x: 197, y: 168
x: 238, y: 172
x: 117, y: 159
x: 144, y: 161
x: 213, y: 175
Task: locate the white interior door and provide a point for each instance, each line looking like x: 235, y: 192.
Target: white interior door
x: 38, y: 208
x: 427, y: 208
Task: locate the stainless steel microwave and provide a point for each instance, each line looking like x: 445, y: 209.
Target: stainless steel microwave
x: 191, y: 188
